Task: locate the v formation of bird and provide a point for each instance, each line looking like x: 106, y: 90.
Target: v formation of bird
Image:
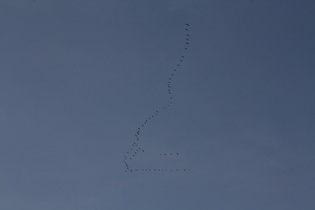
x: 135, y: 147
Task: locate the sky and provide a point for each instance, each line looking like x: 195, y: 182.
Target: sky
x: 79, y: 78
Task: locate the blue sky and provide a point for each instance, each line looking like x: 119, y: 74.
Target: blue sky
x: 78, y: 78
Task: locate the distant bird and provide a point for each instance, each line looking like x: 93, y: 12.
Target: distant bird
x: 186, y: 48
x: 187, y: 42
x: 177, y: 154
x: 183, y: 56
x: 187, y: 24
x: 187, y: 35
x: 186, y: 29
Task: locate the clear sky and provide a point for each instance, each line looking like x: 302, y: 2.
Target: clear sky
x: 79, y: 77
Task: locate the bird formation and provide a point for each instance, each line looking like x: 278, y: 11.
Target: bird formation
x: 135, y: 147
x: 156, y: 170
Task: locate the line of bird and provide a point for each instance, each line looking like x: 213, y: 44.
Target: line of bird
x: 135, y: 147
x: 157, y: 170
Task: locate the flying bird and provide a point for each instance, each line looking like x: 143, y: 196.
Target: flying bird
x: 187, y: 24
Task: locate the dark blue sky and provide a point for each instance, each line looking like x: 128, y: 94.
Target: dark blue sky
x: 77, y: 78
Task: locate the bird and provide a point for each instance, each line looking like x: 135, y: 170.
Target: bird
x: 187, y: 24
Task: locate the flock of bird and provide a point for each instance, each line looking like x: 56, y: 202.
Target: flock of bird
x: 135, y: 147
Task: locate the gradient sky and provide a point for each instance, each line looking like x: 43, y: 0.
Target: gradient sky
x: 78, y: 77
